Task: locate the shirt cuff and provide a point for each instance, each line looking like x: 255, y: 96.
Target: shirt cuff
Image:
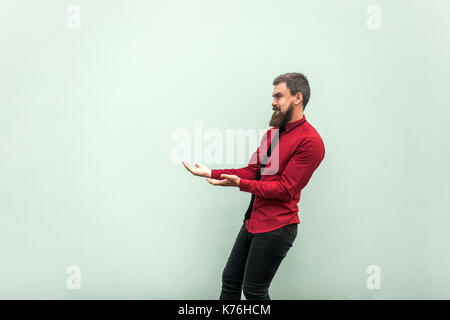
x: 245, y: 185
x: 215, y: 174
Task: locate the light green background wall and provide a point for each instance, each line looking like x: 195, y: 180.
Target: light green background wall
x: 86, y: 118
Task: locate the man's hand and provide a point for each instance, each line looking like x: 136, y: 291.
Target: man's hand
x: 229, y: 181
x: 201, y: 170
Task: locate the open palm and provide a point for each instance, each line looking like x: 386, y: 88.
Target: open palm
x: 200, y: 170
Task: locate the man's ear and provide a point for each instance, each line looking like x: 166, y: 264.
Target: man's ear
x: 298, y: 98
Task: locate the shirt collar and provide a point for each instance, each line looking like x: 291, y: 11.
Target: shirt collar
x: 291, y: 125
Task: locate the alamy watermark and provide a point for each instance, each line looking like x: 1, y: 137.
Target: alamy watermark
x: 373, y: 21
x: 74, y: 279
x: 374, y: 280
x: 73, y: 19
x: 225, y: 147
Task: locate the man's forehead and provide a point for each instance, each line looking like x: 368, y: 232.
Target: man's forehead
x: 279, y: 88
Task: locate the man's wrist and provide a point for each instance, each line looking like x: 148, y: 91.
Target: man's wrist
x: 244, y: 185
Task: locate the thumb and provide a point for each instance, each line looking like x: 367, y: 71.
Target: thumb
x: 197, y: 165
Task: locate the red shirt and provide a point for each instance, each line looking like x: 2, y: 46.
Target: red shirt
x: 299, y: 152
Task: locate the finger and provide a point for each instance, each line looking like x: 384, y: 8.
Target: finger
x: 228, y: 177
x: 212, y: 181
x: 217, y: 182
x: 188, y: 167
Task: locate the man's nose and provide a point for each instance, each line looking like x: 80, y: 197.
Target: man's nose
x: 274, y: 104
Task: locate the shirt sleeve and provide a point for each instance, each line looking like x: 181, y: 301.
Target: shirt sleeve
x: 250, y: 171
x: 295, y: 176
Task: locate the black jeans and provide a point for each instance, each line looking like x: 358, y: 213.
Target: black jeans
x: 253, y: 262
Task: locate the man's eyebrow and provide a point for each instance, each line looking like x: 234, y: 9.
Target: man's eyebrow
x: 276, y: 94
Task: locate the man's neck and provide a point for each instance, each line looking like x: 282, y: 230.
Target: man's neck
x: 296, y: 116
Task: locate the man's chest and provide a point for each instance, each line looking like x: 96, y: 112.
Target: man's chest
x: 281, y: 150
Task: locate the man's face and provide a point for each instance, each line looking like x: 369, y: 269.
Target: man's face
x: 282, y: 105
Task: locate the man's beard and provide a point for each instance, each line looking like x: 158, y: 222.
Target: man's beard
x: 280, y: 119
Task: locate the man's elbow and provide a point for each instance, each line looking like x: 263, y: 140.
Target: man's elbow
x: 284, y: 194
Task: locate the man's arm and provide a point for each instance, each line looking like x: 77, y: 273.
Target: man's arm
x: 295, y: 176
x: 250, y: 171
